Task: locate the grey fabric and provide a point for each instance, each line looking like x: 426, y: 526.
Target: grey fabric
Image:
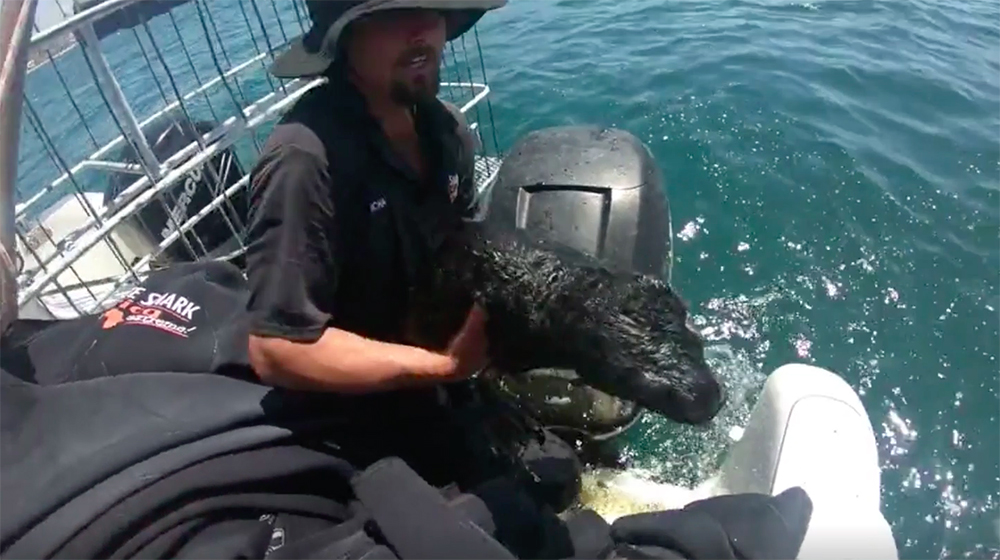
x: 299, y: 60
x: 60, y: 441
x: 56, y: 529
x: 414, y: 517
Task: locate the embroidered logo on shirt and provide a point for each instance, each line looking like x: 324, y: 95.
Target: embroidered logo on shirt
x: 377, y: 205
x: 453, y: 187
x: 169, y: 312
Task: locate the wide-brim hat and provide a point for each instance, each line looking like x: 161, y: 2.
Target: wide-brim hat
x: 312, y: 53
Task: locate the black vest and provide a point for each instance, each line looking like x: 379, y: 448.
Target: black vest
x: 389, y: 219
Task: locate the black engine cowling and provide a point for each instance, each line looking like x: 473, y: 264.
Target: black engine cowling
x: 600, y: 192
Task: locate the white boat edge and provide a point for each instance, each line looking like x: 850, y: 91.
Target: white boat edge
x: 807, y: 429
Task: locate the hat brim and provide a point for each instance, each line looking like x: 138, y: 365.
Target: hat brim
x: 297, y: 61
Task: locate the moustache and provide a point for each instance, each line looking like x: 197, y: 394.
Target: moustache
x: 413, y: 52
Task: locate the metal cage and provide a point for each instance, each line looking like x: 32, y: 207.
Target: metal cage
x: 141, y: 120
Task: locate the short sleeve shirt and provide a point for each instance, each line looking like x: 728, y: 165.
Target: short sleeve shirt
x: 338, y: 222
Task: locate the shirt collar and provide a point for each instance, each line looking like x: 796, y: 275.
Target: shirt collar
x: 435, y: 126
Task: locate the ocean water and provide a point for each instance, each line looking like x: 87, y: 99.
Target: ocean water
x: 833, y: 169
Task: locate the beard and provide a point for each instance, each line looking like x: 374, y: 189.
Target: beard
x: 413, y: 91
x: 410, y: 86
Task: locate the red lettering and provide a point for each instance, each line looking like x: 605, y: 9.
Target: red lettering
x: 146, y: 311
x: 149, y: 312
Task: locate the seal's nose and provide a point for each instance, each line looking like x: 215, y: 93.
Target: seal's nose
x: 709, y: 399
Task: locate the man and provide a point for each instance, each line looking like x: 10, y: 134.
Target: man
x: 347, y: 192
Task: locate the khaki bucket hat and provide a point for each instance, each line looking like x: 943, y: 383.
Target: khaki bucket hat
x: 312, y: 53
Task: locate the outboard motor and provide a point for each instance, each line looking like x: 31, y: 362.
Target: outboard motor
x: 598, y: 191
x: 214, y: 234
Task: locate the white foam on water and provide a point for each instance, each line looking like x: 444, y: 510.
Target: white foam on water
x: 613, y: 494
x: 669, y: 462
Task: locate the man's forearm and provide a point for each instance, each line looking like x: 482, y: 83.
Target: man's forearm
x: 344, y: 362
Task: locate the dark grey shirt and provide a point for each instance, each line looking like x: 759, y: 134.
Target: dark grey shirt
x: 339, y: 223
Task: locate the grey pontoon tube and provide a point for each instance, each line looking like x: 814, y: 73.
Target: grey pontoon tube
x: 16, y: 20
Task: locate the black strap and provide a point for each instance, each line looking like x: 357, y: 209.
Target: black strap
x: 414, y: 519
x: 347, y: 540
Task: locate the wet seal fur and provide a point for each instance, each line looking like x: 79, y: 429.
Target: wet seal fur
x: 549, y: 306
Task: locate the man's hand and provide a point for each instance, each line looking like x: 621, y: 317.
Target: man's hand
x: 345, y: 362
x: 469, y: 348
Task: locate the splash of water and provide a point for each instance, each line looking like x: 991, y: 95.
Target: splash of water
x: 667, y: 461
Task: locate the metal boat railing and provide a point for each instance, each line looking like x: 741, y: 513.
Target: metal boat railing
x: 75, y: 246
x: 15, y: 19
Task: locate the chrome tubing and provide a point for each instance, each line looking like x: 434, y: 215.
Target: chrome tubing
x: 16, y: 20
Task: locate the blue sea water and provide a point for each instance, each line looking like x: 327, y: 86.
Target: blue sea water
x: 833, y: 170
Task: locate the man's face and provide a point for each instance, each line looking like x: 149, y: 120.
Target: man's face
x: 398, y: 53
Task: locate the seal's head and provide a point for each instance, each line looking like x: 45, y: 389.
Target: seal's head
x: 648, y: 353
x: 623, y: 333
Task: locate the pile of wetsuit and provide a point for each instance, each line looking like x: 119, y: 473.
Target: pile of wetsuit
x: 141, y: 433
